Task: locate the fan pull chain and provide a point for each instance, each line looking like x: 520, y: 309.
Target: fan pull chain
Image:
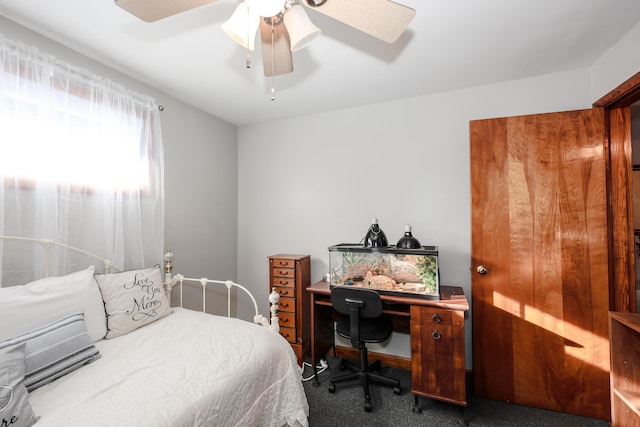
x: 273, y: 59
x: 247, y: 59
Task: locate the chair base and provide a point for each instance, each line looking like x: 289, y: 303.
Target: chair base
x: 366, y: 376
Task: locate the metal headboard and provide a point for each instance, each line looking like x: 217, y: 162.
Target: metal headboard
x: 179, y: 279
x: 169, y: 280
x: 47, y: 244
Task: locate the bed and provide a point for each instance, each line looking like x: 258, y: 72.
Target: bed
x: 142, y: 363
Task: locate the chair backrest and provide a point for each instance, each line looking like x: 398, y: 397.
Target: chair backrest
x: 347, y: 299
x: 356, y: 303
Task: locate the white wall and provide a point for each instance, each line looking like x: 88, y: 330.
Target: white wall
x: 617, y: 65
x: 200, y: 170
x: 201, y: 196
x: 307, y: 183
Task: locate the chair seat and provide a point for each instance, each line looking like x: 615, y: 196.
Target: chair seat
x: 371, y: 330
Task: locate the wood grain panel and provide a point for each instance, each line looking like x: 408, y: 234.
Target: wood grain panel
x: 437, y: 354
x: 539, y: 226
x: 623, y: 296
x: 490, y: 235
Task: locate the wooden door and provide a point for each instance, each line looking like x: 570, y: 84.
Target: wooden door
x: 540, y: 261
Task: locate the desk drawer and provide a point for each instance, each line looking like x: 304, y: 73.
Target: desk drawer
x: 283, y: 281
x: 287, y: 320
x: 286, y: 292
x: 436, y: 317
x: 287, y: 304
x: 284, y: 272
x: 289, y: 334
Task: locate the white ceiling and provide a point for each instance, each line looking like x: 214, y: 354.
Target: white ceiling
x: 450, y: 44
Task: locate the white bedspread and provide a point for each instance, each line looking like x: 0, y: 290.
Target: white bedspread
x: 188, y: 369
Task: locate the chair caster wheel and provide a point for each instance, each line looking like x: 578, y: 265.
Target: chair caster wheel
x: 367, y: 406
x: 332, y: 388
x: 396, y: 390
x: 416, y: 410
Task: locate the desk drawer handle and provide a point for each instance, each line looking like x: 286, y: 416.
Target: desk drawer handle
x: 436, y: 335
x: 436, y: 318
x: 284, y: 292
x: 284, y: 320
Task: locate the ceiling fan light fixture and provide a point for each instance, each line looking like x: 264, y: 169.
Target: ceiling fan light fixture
x: 300, y: 28
x: 242, y: 26
x: 266, y: 8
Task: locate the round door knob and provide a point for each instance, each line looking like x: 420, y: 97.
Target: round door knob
x: 481, y: 269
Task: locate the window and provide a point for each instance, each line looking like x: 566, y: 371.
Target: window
x: 62, y: 141
x: 82, y: 163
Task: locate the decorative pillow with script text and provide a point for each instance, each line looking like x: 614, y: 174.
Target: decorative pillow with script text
x: 15, y: 409
x: 133, y: 299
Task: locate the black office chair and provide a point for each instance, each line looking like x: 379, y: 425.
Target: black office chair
x: 362, y: 322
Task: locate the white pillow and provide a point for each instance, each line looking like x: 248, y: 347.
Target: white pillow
x: 42, y: 302
x: 55, y: 350
x: 133, y: 299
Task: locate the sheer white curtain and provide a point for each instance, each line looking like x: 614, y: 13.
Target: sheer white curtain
x: 81, y: 161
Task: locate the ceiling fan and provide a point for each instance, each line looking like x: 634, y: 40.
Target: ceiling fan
x: 284, y: 25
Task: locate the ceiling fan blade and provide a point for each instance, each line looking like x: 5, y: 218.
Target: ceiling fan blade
x: 382, y: 19
x: 153, y: 10
x: 276, y: 56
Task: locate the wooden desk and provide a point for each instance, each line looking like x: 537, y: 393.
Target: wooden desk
x: 436, y: 329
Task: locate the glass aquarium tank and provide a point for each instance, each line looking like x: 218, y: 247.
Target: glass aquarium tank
x: 388, y: 270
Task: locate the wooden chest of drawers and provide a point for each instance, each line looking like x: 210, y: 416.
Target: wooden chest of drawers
x: 290, y: 275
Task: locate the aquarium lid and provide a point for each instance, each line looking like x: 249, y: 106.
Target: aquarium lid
x: 355, y: 247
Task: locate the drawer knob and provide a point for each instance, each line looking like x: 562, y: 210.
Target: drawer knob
x: 436, y: 318
x: 436, y: 335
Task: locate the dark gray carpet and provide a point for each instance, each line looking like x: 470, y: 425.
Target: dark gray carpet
x: 344, y: 408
